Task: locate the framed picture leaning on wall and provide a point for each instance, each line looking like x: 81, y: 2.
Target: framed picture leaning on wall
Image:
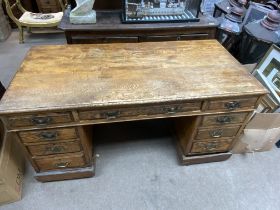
x: 268, y: 72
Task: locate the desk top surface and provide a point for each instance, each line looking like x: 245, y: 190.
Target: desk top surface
x: 77, y: 76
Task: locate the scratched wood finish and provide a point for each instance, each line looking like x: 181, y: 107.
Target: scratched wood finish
x: 207, y: 147
x: 61, y: 161
x: 62, y: 77
x: 28, y: 120
x: 54, y: 148
x: 209, y: 133
x: 48, y: 135
x: 232, y: 118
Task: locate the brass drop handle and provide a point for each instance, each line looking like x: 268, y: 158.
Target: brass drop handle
x: 211, y: 146
x: 55, y: 149
x: 224, y: 119
x: 49, y: 135
x: 171, y: 110
x: 112, y: 115
x: 216, y: 133
x: 62, y: 165
x: 41, y: 120
x: 232, y: 105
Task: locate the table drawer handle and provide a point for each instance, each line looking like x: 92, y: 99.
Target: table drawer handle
x: 55, y: 149
x: 41, y: 120
x: 232, y: 105
x: 112, y: 115
x: 49, y: 135
x: 62, y: 165
x: 211, y: 146
x: 216, y: 133
x: 224, y: 119
x: 171, y: 110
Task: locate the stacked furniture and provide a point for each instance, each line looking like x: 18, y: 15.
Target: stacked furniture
x: 109, y: 28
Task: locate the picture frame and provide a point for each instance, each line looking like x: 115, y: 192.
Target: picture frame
x: 255, y: 12
x: 160, y: 11
x: 269, y: 68
x: 272, y: 92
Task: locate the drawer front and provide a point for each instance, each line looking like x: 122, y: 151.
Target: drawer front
x: 233, y: 104
x: 113, y: 39
x: 61, y: 162
x: 141, y: 111
x: 223, y: 119
x: 40, y: 119
x: 195, y: 36
x: 218, y: 132
x: 50, y: 9
x: 159, y: 38
x: 211, y: 146
x: 48, y: 135
x: 55, y: 148
x: 48, y: 2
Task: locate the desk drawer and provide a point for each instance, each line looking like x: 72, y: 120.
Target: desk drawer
x: 233, y: 104
x: 40, y: 119
x: 211, y: 146
x: 217, y: 132
x: 112, y: 114
x: 61, y: 161
x: 48, y: 135
x: 223, y: 119
x: 54, y: 148
x: 48, y: 2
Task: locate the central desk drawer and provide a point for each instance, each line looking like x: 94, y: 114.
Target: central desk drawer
x: 55, y: 148
x: 40, y: 119
x: 223, y: 119
x: 48, y: 135
x: 217, y: 132
x: 112, y: 114
x: 61, y: 161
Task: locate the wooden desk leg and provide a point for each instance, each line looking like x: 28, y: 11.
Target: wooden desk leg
x: 85, y: 139
x: 186, y: 129
x: 191, y: 160
x: 59, y: 175
x: 68, y: 37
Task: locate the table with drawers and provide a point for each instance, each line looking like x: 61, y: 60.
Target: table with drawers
x: 60, y: 91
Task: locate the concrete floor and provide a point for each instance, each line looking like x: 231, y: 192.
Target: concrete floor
x: 140, y: 171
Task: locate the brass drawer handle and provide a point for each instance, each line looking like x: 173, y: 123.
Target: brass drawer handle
x: 112, y: 115
x: 62, y: 165
x: 49, y: 135
x: 232, y: 105
x: 55, y: 149
x: 224, y: 119
x: 171, y: 110
x: 216, y: 133
x: 41, y: 120
x: 211, y: 146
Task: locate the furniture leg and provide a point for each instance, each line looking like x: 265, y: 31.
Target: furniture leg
x: 21, y: 39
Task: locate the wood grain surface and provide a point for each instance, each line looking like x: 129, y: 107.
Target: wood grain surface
x: 79, y: 76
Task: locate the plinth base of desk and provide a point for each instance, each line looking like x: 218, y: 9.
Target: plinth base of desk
x: 191, y: 160
x: 59, y: 175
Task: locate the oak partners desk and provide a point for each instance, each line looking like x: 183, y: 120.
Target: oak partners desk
x: 59, y: 90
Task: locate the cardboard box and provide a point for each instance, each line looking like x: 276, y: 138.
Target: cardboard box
x: 261, y: 134
x: 11, y: 170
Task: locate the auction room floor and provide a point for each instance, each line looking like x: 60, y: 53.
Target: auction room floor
x: 141, y: 171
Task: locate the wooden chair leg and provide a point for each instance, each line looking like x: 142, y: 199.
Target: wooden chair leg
x: 21, y: 39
